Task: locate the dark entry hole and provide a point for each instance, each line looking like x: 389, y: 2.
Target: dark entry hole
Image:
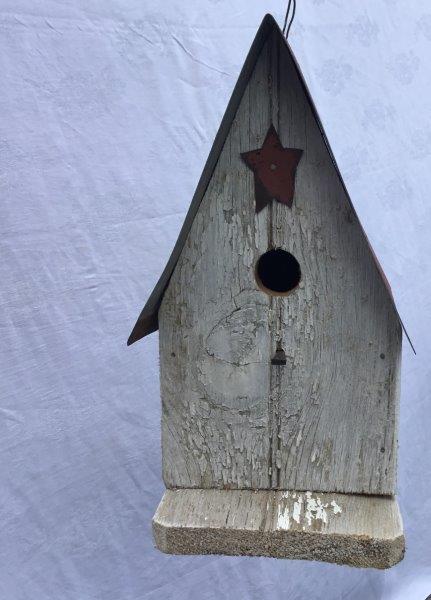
x: 278, y: 271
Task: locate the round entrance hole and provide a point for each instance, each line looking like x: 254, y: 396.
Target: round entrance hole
x: 277, y: 272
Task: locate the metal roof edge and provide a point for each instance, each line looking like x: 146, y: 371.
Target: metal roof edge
x: 340, y: 177
x: 148, y: 319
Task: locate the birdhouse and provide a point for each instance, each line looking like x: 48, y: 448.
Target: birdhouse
x: 280, y: 345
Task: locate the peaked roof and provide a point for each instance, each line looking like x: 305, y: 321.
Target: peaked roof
x: 148, y: 319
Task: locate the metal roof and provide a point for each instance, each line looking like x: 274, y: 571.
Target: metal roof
x: 148, y: 319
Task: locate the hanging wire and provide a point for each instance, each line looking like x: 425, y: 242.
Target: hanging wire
x: 286, y: 26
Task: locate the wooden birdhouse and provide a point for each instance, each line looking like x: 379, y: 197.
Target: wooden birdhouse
x: 280, y: 345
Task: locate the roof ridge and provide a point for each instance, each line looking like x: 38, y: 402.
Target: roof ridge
x: 148, y: 319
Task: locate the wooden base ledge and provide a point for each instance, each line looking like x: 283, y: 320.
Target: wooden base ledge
x: 347, y: 529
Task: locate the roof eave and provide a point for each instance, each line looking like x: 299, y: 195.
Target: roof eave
x: 148, y: 319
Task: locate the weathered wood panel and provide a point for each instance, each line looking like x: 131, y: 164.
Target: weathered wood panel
x: 214, y: 335
x: 361, y: 531
x: 327, y: 420
x: 339, y: 390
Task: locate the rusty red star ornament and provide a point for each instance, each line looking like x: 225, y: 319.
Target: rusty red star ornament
x: 274, y: 169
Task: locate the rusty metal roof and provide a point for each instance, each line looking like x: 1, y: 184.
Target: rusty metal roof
x: 148, y: 319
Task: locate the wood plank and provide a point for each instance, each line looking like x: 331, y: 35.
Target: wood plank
x: 361, y: 531
x: 339, y: 391
x: 214, y: 337
x: 328, y: 419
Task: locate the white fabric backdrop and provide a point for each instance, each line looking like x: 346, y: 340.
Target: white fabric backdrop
x: 108, y: 109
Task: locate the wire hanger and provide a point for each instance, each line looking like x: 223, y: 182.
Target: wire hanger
x: 287, y: 26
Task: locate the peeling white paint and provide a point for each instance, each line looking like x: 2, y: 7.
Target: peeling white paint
x: 299, y: 438
x: 304, y: 509
x: 297, y: 507
x: 283, y: 518
x: 220, y: 328
x: 314, y: 509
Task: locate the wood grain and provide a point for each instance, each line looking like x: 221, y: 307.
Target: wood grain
x: 362, y: 531
x: 339, y: 393
x: 214, y: 335
x: 328, y: 419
